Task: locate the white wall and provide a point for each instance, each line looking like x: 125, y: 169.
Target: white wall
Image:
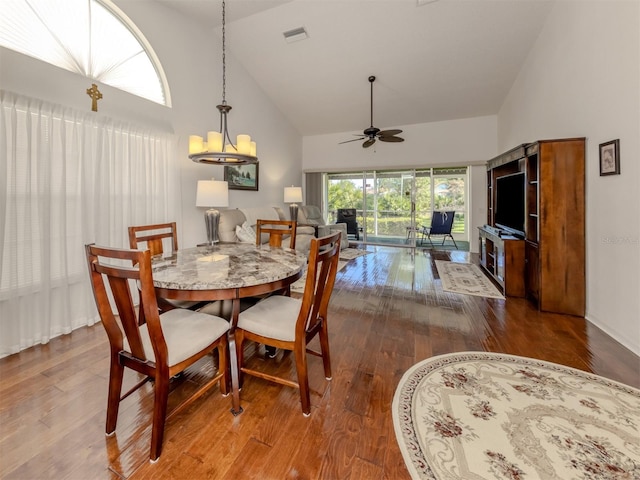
x: 462, y: 142
x: 582, y: 78
x: 191, y: 58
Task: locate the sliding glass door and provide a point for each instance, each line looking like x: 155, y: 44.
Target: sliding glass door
x: 391, y: 206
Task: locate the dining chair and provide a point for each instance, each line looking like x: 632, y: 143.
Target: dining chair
x: 153, y: 238
x: 276, y: 229
x: 159, y: 348
x: 291, y: 323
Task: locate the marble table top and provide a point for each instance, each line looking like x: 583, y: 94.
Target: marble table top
x: 225, y: 266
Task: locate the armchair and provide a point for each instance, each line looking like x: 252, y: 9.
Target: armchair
x: 312, y: 215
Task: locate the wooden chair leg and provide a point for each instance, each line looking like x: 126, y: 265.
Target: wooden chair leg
x: 223, y: 366
x: 116, y: 373
x: 240, y: 354
x: 303, y: 379
x: 161, y: 397
x: 324, y: 348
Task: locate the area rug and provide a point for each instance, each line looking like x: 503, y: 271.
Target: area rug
x: 351, y: 253
x: 479, y: 415
x: 465, y: 278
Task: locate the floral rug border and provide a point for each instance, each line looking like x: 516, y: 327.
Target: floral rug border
x: 410, y: 384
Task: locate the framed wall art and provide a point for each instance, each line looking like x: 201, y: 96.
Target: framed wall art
x: 610, y: 158
x: 242, y: 177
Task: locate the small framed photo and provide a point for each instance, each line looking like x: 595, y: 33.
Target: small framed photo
x: 242, y: 177
x: 610, y: 158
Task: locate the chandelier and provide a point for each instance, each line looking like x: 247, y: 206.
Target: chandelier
x: 218, y: 149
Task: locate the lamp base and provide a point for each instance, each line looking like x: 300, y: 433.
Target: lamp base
x: 211, y: 221
x: 293, y: 212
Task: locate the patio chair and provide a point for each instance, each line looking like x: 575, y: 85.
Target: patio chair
x: 441, y: 224
x: 348, y: 216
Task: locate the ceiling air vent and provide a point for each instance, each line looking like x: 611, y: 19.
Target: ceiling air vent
x: 295, y: 35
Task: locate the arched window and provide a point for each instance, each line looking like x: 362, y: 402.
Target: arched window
x: 91, y: 37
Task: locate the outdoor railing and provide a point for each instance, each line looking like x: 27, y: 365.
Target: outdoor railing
x: 394, y: 224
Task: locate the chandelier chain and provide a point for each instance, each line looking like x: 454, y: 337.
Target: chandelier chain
x: 224, y: 57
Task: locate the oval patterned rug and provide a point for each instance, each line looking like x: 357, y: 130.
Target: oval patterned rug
x: 480, y: 415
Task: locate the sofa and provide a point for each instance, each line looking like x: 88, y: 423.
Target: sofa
x: 236, y: 221
x: 312, y: 215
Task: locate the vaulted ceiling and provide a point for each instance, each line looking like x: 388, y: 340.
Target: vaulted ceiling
x: 444, y: 60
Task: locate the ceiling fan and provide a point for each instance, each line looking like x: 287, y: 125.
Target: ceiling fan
x: 372, y: 133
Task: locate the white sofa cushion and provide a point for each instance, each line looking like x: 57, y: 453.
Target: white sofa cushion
x: 245, y: 233
x: 253, y: 214
x: 260, y: 213
x: 229, y: 219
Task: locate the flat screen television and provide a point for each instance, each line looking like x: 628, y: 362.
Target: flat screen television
x: 509, y: 206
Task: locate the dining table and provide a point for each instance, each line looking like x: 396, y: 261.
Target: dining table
x: 227, y: 271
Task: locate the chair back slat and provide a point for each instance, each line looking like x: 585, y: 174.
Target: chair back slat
x: 107, y: 268
x: 321, y: 275
x: 153, y: 236
x: 276, y: 229
x: 121, y: 291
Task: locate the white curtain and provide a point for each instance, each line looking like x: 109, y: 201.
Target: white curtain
x: 66, y: 179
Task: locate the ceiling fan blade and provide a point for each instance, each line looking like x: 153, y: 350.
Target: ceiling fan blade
x: 368, y: 143
x: 388, y: 133
x: 354, y: 140
x: 391, y: 139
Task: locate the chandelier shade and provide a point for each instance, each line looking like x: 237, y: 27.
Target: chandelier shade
x: 218, y: 149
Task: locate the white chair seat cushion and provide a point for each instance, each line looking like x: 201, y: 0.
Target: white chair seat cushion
x: 186, y: 333
x: 273, y: 317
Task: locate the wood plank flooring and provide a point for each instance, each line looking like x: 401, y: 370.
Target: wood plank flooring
x: 388, y: 312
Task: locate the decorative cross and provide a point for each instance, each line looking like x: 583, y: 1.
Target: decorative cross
x: 95, y: 95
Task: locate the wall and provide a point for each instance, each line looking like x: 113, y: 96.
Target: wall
x: 464, y: 142
x: 191, y: 59
x: 582, y: 78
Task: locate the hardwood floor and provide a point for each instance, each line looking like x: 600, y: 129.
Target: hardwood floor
x: 388, y: 312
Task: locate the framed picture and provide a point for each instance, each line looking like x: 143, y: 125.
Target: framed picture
x: 242, y: 177
x: 610, y: 158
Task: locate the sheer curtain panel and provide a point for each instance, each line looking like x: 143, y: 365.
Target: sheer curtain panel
x: 68, y: 178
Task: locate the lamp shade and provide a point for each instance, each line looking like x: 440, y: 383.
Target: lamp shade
x: 212, y: 193
x: 292, y: 194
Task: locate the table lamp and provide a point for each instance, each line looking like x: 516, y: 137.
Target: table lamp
x: 212, y: 193
x: 293, y: 195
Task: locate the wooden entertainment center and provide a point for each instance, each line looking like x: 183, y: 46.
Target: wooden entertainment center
x: 544, y: 259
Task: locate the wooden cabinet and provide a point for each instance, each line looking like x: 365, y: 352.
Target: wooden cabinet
x: 555, y: 225
x: 553, y: 249
x: 503, y: 258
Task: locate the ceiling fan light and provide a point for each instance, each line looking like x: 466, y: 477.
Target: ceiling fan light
x: 295, y: 35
